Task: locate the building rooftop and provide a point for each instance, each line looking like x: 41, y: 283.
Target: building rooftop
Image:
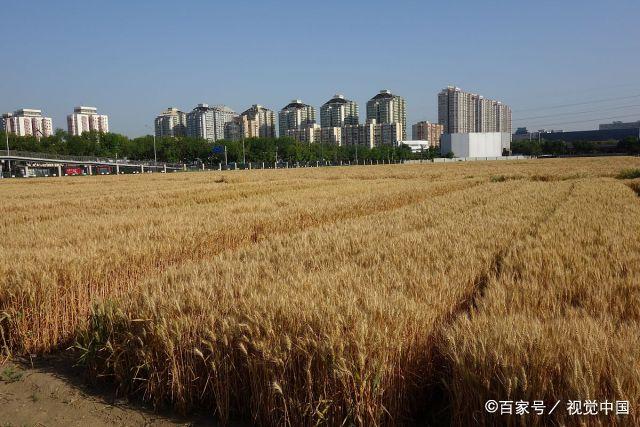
x: 254, y: 108
x: 296, y: 103
x: 337, y: 99
x: 223, y: 108
x: 384, y: 94
x: 170, y: 111
x: 85, y: 110
x: 27, y: 112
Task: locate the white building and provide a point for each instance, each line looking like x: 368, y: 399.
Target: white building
x: 475, y: 144
x: 416, y: 145
x: 27, y: 122
x: 87, y: 119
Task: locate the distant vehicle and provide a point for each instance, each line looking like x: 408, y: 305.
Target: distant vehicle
x: 104, y: 170
x: 72, y: 171
x: 35, y: 172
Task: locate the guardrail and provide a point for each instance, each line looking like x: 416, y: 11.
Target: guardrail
x: 82, y: 159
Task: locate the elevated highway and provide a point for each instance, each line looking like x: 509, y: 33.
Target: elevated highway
x: 23, y: 163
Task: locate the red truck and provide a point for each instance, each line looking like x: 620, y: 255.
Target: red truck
x: 72, y: 171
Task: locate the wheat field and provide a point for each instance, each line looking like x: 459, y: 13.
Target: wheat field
x: 377, y: 295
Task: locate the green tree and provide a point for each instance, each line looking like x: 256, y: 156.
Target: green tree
x: 630, y: 145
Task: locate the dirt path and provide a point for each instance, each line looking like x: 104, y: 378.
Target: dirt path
x: 51, y: 393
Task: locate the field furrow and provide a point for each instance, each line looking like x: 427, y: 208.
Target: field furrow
x: 561, y: 319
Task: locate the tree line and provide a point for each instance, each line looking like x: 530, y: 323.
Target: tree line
x: 628, y: 145
x: 189, y: 150
x: 286, y: 149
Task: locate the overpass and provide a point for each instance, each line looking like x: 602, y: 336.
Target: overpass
x: 23, y: 163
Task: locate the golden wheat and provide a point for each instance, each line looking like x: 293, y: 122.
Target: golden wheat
x: 334, y: 295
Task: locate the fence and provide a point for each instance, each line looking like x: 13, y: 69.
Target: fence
x: 293, y: 165
x: 476, y: 159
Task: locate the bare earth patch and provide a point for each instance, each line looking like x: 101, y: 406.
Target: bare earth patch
x: 51, y: 393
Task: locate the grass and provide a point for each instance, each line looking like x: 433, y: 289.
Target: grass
x: 339, y: 295
x: 629, y: 173
x: 10, y: 374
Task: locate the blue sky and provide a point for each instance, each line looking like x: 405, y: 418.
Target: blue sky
x: 132, y: 59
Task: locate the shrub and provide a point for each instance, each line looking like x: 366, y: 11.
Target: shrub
x: 629, y: 174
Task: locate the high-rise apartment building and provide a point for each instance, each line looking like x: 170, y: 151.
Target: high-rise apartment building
x: 27, y: 122
x: 209, y: 122
x: 486, y: 114
x: 200, y: 123
x: 372, y: 134
x: 312, y: 133
x: 456, y: 111
x: 351, y: 134
x: 503, y: 118
x: 171, y: 123
x: 294, y: 116
x: 309, y: 133
x: 233, y: 130
x: 87, y: 119
x: 258, y: 122
x: 385, y: 133
x: 387, y: 108
x: 338, y: 112
x: 222, y: 115
x: 465, y: 112
x: 331, y: 135
x: 427, y: 131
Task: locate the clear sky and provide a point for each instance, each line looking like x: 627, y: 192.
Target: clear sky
x: 131, y: 59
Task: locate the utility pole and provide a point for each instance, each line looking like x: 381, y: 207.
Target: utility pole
x: 155, y: 154
x: 356, y: 153
x: 225, y: 156
x: 244, y: 157
x: 6, y: 133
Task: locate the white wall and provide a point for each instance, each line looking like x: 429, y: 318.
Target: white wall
x: 477, y: 144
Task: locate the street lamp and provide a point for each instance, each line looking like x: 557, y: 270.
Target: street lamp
x: 244, y: 157
x: 6, y: 134
x: 155, y: 154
